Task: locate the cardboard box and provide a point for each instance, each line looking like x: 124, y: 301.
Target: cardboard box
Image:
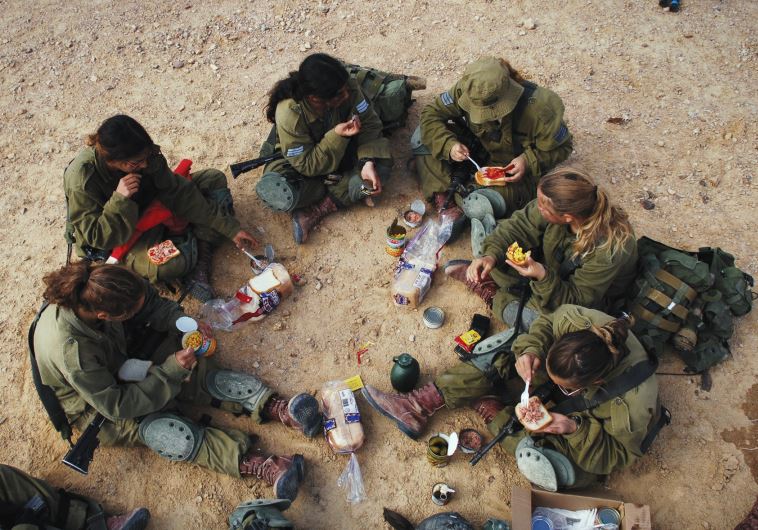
x: 523, y: 502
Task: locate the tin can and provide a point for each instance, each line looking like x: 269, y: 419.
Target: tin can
x: 413, y: 217
x: 441, y: 493
x: 395, y: 240
x: 470, y: 441
x: 436, y: 451
x: 203, y: 346
x: 433, y: 317
x: 609, y: 516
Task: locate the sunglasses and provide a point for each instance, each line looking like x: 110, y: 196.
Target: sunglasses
x: 569, y: 393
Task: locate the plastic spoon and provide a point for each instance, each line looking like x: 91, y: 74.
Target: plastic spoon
x: 525, y: 394
x: 478, y: 167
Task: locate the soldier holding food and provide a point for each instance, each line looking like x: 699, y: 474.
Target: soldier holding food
x: 493, y: 115
x: 574, y: 245
x: 117, y: 178
x: 585, y: 354
x: 89, y: 350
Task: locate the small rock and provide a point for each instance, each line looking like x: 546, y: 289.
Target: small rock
x: 287, y: 313
x: 318, y: 285
x: 199, y: 499
x: 214, y: 67
x: 728, y: 136
x: 278, y: 326
x: 647, y: 204
x: 93, y: 78
x: 412, y: 338
x: 178, y: 63
x: 257, y: 365
x: 182, y: 107
x: 661, y: 143
x: 522, y: 33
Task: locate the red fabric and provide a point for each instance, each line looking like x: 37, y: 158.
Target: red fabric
x: 154, y: 215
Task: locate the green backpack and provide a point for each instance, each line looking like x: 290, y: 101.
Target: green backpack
x: 688, y: 299
x: 390, y: 94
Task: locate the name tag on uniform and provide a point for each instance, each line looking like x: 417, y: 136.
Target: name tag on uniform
x: 362, y: 106
x: 294, y: 151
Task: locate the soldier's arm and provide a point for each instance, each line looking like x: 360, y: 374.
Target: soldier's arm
x: 538, y: 340
x: 434, y: 133
x: 552, y: 142
x: 308, y: 159
x: 586, y: 287
x: 102, y: 226
x: 371, y: 141
x: 525, y: 227
x: 115, y: 400
x: 183, y: 198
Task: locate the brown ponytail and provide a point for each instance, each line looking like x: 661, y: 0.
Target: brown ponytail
x: 111, y: 289
x: 583, y: 357
x: 603, y: 224
x: 512, y: 72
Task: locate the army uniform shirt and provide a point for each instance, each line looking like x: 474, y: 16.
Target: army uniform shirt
x: 104, y: 220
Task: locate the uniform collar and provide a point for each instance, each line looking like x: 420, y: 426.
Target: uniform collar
x: 81, y: 327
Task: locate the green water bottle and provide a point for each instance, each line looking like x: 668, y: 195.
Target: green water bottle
x: 405, y: 373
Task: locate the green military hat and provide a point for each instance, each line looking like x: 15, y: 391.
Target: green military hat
x: 488, y: 91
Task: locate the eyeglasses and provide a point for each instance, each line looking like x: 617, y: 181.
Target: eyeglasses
x: 569, y: 393
x: 134, y: 164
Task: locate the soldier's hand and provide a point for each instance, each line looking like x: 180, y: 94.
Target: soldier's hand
x: 480, y: 268
x: 560, y: 425
x: 518, y: 171
x: 128, y: 185
x: 368, y: 172
x: 531, y: 269
x: 349, y: 128
x: 527, y: 365
x: 205, y: 329
x: 245, y: 240
x: 459, y: 152
x: 186, y: 358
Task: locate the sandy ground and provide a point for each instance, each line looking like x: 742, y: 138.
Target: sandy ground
x: 195, y: 74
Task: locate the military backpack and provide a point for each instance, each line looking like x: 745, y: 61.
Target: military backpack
x: 390, y: 94
x: 688, y: 300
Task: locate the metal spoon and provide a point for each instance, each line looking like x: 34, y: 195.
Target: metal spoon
x: 478, y: 167
x: 255, y: 260
x: 525, y: 394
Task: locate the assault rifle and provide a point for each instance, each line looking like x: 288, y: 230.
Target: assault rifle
x: 513, y: 425
x: 249, y: 165
x: 81, y: 453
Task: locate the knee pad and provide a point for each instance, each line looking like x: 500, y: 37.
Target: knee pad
x: 543, y: 466
x: 277, y: 192
x: 528, y: 316
x: 223, y: 198
x: 417, y: 146
x: 171, y: 436
x: 236, y: 387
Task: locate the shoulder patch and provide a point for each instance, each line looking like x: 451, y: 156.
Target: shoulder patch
x: 295, y: 151
x: 561, y: 134
x: 362, y: 106
x: 446, y: 98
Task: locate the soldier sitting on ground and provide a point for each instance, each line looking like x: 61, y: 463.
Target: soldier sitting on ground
x: 496, y: 117
x: 112, y: 182
x: 28, y: 503
x: 331, y: 139
x: 583, y: 251
x: 86, y: 344
x: 583, y: 351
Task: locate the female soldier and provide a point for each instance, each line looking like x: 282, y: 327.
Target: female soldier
x: 496, y: 117
x: 586, y: 352
x: 112, y: 182
x: 85, y: 354
x: 332, y: 144
x: 583, y: 251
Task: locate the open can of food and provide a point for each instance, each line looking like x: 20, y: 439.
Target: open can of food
x: 413, y: 217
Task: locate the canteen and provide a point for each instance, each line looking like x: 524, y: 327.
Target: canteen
x: 405, y: 373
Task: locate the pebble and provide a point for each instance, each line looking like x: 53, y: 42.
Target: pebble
x: 728, y: 136
x: 661, y: 143
x: 199, y: 499
x: 93, y: 78
x: 522, y: 33
x: 412, y: 338
x: 647, y: 204
x: 178, y: 63
x: 530, y: 23
x: 256, y: 365
x: 214, y: 67
x: 318, y: 285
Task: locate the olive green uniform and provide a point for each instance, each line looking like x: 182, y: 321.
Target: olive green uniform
x: 597, y: 280
x: 16, y: 487
x: 81, y: 363
x: 313, y: 151
x: 102, y: 219
x: 608, y: 436
x: 541, y: 134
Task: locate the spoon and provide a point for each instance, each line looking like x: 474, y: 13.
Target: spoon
x: 255, y: 260
x: 525, y: 394
x: 478, y: 167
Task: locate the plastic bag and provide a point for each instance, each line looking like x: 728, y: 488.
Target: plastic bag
x: 352, y: 480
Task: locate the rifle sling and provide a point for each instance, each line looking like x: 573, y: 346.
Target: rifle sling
x: 518, y: 111
x: 617, y: 386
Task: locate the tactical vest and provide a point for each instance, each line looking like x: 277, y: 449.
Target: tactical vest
x: 388, y: 93
x: 688, y: 299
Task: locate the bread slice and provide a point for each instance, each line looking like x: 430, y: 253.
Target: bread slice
x: 534, y: 416
x: 162, y: 252
x: 487, y: 177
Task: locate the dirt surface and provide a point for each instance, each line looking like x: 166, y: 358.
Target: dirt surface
x: 195, y: 74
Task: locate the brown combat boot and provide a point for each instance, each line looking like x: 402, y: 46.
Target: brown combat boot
x: 134, y: 520
x: 201, y: 276
x: 486, y: 289
x: 488, y: 407
x: 284, y: 473
x: 300, y: 413
x: 305, y: 219
x: 410, y: 411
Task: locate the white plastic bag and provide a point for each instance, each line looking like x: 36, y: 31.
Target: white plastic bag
x: 352, y: 480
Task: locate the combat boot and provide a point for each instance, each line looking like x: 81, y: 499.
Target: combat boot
x: 301, y: 413
x: 452, y: 212
x: 488, y: 407
x: 409, y: 411
x: 284, y: 473
x: 201, y: 276
x: 134, y: 520
x: 486, y: 289
x: 305, y: 219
